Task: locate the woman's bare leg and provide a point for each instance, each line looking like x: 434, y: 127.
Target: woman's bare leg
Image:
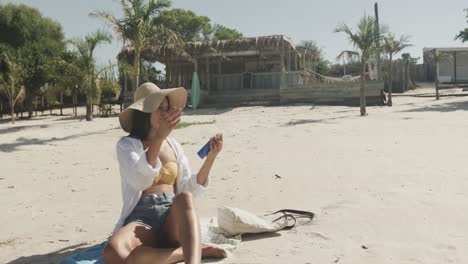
x: 135, y: 243
x: 124, y: 241
x: 149, y: 255
x: 182, y: 227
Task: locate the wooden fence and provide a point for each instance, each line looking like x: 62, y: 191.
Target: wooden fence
x: 346, y: 93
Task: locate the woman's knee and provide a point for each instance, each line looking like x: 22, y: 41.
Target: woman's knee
x: 110, y: 255
x: 116, y: 250
x: 185, y: 200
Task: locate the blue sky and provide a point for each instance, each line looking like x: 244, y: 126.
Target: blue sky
x: 429, y: 22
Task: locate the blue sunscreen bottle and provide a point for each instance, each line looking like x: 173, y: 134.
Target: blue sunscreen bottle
x: 204, y: 150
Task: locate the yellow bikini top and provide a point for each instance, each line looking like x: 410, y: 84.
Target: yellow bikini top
x: 168, y: 173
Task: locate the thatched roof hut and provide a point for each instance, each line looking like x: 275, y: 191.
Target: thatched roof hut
x: 214, y: 48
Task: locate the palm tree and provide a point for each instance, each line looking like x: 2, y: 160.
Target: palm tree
x: 85, y: 49
x: 311, y: 53
x: 435, y: 56
x: 364, y: 41
x: 407, y: 61
x: 138, y: 27
x: 10, y: 83
x: 392, y: 46
x: 463, y: 34
x: 345, y: 56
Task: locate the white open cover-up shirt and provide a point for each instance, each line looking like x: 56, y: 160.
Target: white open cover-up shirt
x: 137, y: 174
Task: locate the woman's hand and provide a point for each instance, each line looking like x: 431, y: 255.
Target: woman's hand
x: 216, y: 145
x: 166, y: 123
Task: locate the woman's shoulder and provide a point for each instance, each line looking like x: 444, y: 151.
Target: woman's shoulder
x: 175, y: 143
x: 128, y: 141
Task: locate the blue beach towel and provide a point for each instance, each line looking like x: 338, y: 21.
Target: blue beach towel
x: 211, y: 235
x: 90, y: 256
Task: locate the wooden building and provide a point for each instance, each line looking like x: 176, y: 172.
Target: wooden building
x: 256, y: 70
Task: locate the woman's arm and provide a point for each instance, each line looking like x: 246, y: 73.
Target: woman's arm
x: 216, y: 145
x: 196, y: 183
x: 159, y: 132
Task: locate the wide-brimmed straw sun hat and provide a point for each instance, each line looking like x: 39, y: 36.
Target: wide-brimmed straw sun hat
x: 147, y: 98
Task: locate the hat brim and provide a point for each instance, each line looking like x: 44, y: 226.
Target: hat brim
x: 151, y: 102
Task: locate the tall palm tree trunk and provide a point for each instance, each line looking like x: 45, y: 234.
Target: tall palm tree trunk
x: 437, y: 81
x: 136, y: 70
x: 390, y: 86
x: 89, y: 110
x: 362, y: 99
x: 29, y: 103
x: 89, y: 101
x: 12, y: 110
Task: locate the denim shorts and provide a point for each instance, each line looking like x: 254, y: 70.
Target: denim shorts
x: 152, y: 210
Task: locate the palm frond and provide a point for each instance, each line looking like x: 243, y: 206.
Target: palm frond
x: 392, y: 45
x: 462, y: 35
x: 348, y: 54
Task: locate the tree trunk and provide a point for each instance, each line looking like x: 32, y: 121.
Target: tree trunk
x: 437, y: 81
x: 89, y: 112
x: 362, y: 99
x: 437, y: 75
x: 89, y: 106
x: 390, y: 86
x: 409, y: 81
x: 12, y: 110
x: 136, y: 70
x: 29, y: 104
x: 405, y: 77
x: 75, y: 101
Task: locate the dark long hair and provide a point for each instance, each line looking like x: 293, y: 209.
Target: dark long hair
x: 141, y: 124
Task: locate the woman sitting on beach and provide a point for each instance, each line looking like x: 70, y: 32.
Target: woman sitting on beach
x: 158, y: 222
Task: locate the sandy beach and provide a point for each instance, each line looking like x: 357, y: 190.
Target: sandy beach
x: 387, y: 188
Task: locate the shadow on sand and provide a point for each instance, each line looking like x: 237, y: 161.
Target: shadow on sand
x: 447, y: 107
x: 20, y: 142
x: 207, y: 111
x: 253, y: 237
x: 52, y: 257
x: 312, y: 121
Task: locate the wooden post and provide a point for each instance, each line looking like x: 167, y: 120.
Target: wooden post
x: 455, y: 66
x: 289, y: 65
x: 76, y: 108
x: 73, y: 104
x: 196, y: 65
x: 219, y: 84
x: 296, y: 62
x: 179, y: 74
x: 282, y: 63
x: 437, y: 74
x: 61, y: 103
x: 377, y: 37
x: 1, y: 109
x: 35, y: 106
x: 208, y: 74
x: 167, y: 75
x: 42, y: 105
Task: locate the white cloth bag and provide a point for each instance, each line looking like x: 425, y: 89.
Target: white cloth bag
x: 234, y: 221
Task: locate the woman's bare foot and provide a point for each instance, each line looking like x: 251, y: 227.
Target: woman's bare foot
x: 213, y: 252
